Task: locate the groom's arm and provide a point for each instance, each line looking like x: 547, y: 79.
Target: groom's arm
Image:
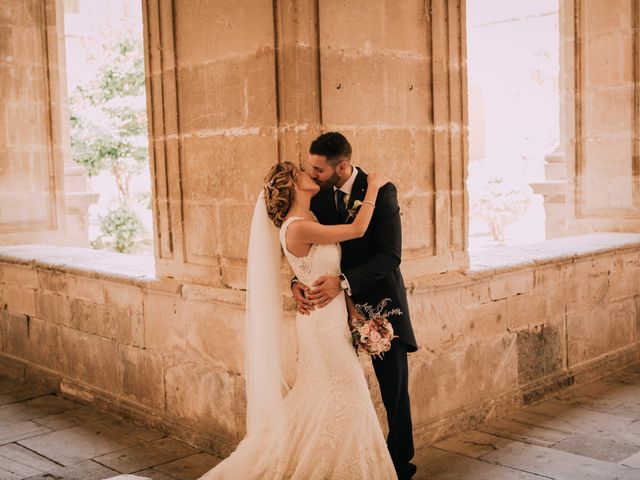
x: 388, y: 240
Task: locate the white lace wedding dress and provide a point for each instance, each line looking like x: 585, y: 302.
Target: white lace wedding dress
x: 331, y: 431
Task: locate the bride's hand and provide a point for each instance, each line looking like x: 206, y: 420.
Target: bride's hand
x: 377, y: 180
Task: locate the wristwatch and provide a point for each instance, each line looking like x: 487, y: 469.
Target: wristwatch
x: 344, y: 283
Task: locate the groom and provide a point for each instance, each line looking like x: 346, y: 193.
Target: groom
x: 370, y: 273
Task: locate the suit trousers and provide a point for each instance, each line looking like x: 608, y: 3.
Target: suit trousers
x: 392, y: 371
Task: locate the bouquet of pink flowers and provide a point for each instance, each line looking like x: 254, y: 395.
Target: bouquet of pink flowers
x: 371, y: 330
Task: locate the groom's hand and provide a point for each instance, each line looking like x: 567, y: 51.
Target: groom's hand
x: 299, y: 291
x: 323, y: 290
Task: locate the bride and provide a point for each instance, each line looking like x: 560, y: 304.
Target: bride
x: 325, y: 427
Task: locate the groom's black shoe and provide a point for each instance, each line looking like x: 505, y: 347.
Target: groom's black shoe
x: 407, y: 471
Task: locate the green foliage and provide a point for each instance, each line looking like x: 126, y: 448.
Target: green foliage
x: 109, y: 130
x: 120, y: 230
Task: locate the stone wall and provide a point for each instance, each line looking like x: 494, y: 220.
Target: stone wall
x: 235, y: 87
x: 32, y: 90
x: 171, y: 355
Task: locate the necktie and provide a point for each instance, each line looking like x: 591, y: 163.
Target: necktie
x: 342, y: 208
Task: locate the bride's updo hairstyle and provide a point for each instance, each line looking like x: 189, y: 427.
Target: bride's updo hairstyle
x: 279, y: 190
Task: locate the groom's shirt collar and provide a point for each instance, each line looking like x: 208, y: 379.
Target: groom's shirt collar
x: 348, y: 185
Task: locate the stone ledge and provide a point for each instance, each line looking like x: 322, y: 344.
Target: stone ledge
x: 140, y: 270
x: 489, y: 260
x: 134, y: 270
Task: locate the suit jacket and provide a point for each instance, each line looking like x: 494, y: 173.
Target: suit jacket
x: 372, y: 263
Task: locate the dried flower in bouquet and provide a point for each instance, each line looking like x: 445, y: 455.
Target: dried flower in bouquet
x: 371, y: 330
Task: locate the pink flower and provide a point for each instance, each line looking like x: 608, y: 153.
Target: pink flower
x: 375, y: 337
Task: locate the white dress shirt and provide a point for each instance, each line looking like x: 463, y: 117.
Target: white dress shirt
x: 346, y: 188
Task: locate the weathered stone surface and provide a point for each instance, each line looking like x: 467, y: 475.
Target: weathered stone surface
x: 447, y: 382
x: 485, y: 319
x: 472, y: 443
x: 21, y: 430
x: 17, y: 462
x: 78, y: 471
x: 557, y: 464
x: 18, y: 275
x: 215, y: 334
x: 71, y: 418
x: 14, y: 331
x: 203, y: 396
x: 53, y: 308
x: 191, y: 467
x: 146, y: 455
x: 22, y: 393
x: 34, y: 408
x: 111, y: 321
x: 540, y: 353
x: 526, y: 310
x: 142, y: 376
x: 440, y: 465
x: 164, y: 323
x: 83, y: 442
x: 595, y: 446
x: 511, y: 284
x: 515, y: 430
x: 86, y: 289
x: 128, y: 297
x: 91, y: 359
x: 53, y: 281
x: 18, y: 299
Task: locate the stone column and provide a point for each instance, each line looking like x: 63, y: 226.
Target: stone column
x: 603, y: 115
x: 235, y: 87
x: 553, y: 189
x: 32, y: 203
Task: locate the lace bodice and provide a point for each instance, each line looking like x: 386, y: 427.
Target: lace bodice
x: 321, y: 259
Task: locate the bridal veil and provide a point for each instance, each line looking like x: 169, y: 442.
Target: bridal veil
x: 264, y: 324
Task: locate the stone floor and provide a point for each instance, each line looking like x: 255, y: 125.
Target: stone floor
x: 592, y: 432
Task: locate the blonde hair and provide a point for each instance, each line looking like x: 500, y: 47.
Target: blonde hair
x: 279, y: 190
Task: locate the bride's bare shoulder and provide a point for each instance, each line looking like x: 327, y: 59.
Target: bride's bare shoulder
x: 298, y: 224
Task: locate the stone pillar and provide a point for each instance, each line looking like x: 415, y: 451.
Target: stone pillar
x: 602, y: 120
x: 237, y: 86
x: 32, y: 203
x: 553, y: 189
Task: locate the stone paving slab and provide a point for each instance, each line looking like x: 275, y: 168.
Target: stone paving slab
x: 600, y: 448
x: 473, y: 443
x: 85, y: 470
x: 18, y: 462
x: 189, y: 468
x: 435, y: 464
x: 590, y: 432
x: 21, y: 431
x: 557, y: 464
x: 71, y: 418
x: 83, y: 442
x: 22, y: 394
x: 508, y: 428
x: 146, y: 455
x: 34, y: 408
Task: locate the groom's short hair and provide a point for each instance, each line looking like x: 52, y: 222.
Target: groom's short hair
x: 332, y: 145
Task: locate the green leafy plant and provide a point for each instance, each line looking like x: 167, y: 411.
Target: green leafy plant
x: 109, y: 132
x: 120, y: 229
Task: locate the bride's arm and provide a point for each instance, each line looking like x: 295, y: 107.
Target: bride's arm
x: 351, y: 308
x: 312, y: 232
